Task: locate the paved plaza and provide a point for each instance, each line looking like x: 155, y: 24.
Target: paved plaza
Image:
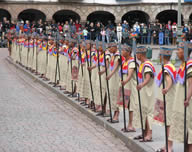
x: 33, y: 119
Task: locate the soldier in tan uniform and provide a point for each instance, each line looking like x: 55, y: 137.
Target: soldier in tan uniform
x: 146, y: 76
x: 130, y: 83
x: 177, y: 127
x: 170, y: 74
x: 99, y: 88
x: 114, y: 79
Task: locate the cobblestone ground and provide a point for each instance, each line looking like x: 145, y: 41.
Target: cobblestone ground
x: 33, y: 119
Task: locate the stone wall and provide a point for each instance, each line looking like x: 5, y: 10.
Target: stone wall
x: 85, y: 9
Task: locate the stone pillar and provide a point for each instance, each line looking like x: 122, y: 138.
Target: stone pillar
x: 118, y: 20
x: 49, y: 17
x: 185, y: 21
x: 14, y: 16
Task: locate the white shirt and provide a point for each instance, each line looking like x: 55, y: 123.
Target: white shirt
x: 119, y: 28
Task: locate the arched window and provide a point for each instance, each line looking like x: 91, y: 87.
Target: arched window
x: 65, y: 15
x: 101, y: 16
x: 31, y: 15
x: 168, y: 15
x: 4, y: 13
x: 136, y: 16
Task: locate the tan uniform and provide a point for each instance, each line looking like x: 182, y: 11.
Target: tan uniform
x: 177, y: 127
x: 30, y: 55
x: 80, y: 76
x: 134, y: 102
x: 13, y: 53
x: 97, y: 92
x: 18, y: 54
x: 34, y: 58
x: 48, y: 68
x: 50, y: 71
x: 85, y: 89
x: 113, y: 84
x: 71, y: 66
x: 53, y: 68
x: 94, y: 75
x: 169, y: 98
x: 44, y: 61
x: 19, y: 50
x: 190, y: 123
x: 65, y: 65
x: 147, y: 98
x: 24, y: 53
x: 62, y: 66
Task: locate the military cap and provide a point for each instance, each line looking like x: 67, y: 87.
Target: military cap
x: 141, y: 49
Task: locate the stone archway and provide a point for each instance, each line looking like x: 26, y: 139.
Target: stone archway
x: 4, y: 13
x: 101, y: 16
x: 66, y: 15
x: 168, y: 15
x: 31, y: 15
x: 136, y: 16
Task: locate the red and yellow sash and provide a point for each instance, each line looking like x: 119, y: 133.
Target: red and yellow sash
x: 112, y: 60
x: 101, y: 59
x: 125, y: 65
x: 181, y: 72
x: 66, y: 49
x: 51, y: 47
x: 55, y: 51
x: 172, y: 72
x: 94, y: 56
x: 44, y: 47
x: 22, y: 41
x: 26, y: 43
x: 83, y: 57
x: 142, y: 68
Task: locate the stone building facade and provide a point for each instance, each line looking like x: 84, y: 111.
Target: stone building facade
x: 82, y: 11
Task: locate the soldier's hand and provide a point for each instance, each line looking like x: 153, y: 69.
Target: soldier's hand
x: 164, y: 91
x: 108, y: 78
x: 122, y: 83
x: 100, y: 73
x: 89, y: 68
x: 186, y: 103
x: 139, y: 87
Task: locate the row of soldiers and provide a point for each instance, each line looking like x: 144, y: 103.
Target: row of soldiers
x: 105, y: 77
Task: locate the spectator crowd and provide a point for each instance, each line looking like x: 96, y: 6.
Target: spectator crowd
x: 151, y: 34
